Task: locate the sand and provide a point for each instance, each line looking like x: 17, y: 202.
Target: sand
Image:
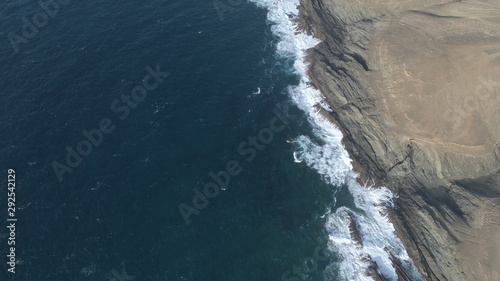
x: 436, y: 76
x: 414, y: 86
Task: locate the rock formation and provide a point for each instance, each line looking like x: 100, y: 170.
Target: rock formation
x: 415, y: 88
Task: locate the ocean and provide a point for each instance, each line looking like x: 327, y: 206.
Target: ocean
x: 175, y: 140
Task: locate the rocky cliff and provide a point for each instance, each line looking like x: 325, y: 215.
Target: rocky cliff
x: 414, y: 87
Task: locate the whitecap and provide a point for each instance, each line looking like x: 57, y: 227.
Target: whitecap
x: 324, y: 153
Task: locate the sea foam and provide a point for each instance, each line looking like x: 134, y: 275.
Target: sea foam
x: 325, y: 154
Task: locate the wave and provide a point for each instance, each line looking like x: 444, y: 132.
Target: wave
x: 325, y: 154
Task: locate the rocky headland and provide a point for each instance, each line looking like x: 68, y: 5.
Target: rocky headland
x: 415, y: 88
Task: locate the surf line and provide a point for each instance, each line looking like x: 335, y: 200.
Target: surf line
x: 247, y: 149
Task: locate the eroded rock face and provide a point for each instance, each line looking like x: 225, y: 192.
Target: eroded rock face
x: 415, y: 88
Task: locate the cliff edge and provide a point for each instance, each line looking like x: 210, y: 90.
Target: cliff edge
x: 415, y: 87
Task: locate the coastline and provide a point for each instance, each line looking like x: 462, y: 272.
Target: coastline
x: 446, y: 214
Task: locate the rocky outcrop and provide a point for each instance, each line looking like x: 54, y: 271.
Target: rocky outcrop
x: 448, y: 208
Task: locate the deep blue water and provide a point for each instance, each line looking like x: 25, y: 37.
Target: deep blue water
x: 118, y: 210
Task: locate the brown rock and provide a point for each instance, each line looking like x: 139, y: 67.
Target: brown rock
x: 415, y: 88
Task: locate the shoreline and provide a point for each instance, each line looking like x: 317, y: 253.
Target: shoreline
x: 443, y: 207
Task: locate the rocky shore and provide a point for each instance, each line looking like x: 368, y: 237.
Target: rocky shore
x: 415, y: 88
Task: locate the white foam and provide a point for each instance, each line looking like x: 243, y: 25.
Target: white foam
x: 325, y: 154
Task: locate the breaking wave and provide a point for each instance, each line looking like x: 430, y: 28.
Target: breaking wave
x: 325, y: 154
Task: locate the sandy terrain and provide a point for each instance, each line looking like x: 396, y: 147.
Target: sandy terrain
x: 437, y: 73
x: 414, y: 86
x: 436, y: 76
x: 481, y: 242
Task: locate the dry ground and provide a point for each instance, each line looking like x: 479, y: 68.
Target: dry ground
x: 436, y: 75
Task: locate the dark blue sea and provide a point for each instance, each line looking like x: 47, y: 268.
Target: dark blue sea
x: 158, y: 140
